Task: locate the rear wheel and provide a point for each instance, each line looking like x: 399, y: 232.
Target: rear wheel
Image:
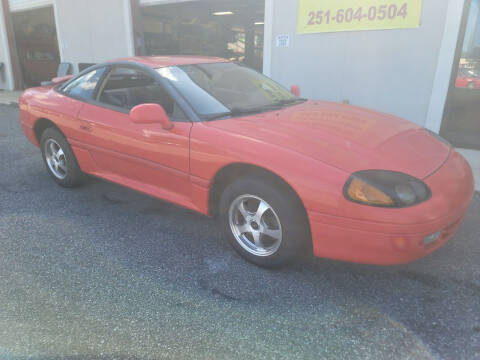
x: 59, y: 159
x: 471, y: 85
x: 264, y: 222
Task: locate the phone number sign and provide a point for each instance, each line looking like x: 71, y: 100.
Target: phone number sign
x: 315, y: 16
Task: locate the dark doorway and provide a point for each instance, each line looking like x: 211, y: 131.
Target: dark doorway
x: 461, y: 124
x: 37, y: 44
x: 224, y: 28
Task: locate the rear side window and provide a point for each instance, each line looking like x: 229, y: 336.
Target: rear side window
x: 84, y: 86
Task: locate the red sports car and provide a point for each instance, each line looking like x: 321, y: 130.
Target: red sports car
x: 282, y: 173
x: 467, y: 78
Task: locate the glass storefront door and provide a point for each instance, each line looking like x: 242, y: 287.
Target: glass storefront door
x: 461, y: 125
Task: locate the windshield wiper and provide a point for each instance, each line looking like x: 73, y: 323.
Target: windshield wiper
x: 285, y: 102
x: 240, y: 111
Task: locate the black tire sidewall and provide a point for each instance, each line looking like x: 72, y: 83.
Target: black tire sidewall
x: 74, y: 174
x: 295, y: 231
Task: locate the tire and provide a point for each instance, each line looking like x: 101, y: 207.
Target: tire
x: 471, y: 85
x: 270, y: 238
x: 59, y: 159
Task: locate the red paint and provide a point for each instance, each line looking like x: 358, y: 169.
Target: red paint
x: 162, y: 61
x: 151, y: 114
x: 61, y: 79
x: 467, y: 78
x: 295, y: 90
x: 467, y: 82
x: 314, y: 147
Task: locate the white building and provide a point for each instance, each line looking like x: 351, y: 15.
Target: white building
x: 418, y: 59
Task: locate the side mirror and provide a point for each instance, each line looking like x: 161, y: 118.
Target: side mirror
x: 295, y: 90
x: 150, y: 114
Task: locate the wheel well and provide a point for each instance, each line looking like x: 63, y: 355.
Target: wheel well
x: 41, y: 125
x: 232, y: 172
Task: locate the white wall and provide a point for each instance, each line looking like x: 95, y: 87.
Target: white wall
x: 387, y: 70
x: 6, y: 77
x: 94, y: 31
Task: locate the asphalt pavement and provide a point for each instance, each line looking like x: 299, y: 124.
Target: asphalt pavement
x: 102, y: 272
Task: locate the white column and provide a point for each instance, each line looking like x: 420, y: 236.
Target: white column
x: 127, y: 6
x: 7, y: 82
x: 268, y: 37
x: 59, y: 30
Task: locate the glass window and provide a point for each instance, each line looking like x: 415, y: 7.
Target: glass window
x: 84, y: 86
x: 126, y: 88
x: 220, y: 88
x: 230, y: 29
x: 468, y: 76
x: 461, y: 125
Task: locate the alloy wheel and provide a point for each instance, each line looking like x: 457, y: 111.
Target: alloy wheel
x: 255, y: 225
x: 56, y: 159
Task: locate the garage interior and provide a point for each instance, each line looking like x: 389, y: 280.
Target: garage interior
x: 228, y: 29
x: 461, y: 124
x: 37, y: 44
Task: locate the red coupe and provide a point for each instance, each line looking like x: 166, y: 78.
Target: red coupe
x: 282, y: 173
x: 467, y: 78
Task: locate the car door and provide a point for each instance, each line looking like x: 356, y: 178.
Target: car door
x: 145, y: 157
x: 67, y: 101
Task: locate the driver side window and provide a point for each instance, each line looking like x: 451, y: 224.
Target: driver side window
x: 125, y: 88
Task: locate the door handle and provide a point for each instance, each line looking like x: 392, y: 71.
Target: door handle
x: 85, y: 126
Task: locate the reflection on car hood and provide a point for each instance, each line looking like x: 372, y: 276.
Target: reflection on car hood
x: 344, y: 136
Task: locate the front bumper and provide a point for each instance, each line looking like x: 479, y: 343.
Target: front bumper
x: 375, y: 242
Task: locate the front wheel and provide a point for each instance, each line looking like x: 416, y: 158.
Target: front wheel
x: 265, y: 223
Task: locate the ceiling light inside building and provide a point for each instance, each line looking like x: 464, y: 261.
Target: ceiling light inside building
x: 220, y: 13
x: 260, y: 23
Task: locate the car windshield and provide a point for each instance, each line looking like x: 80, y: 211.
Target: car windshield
x: 219, y: 90
x: 472, y: 73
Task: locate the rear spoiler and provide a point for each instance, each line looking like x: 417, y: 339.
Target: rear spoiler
x: 56, y: 80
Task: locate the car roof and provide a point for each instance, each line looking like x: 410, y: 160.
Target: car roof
x: 163, y: 61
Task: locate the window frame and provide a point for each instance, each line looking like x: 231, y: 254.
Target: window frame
x: 190, y: 114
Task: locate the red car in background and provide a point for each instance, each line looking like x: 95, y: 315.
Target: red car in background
x: 282, y: 173
x: 467, y: 78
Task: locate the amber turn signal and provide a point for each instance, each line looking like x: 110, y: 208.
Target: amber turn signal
x: 362, y: 192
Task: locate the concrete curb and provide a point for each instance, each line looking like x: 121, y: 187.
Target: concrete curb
x: 11, y: 104
x: 9, y: 97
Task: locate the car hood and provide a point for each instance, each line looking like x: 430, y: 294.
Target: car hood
x: 344, y: 136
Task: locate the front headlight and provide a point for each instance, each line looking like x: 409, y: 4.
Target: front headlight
x: 386, y: 189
